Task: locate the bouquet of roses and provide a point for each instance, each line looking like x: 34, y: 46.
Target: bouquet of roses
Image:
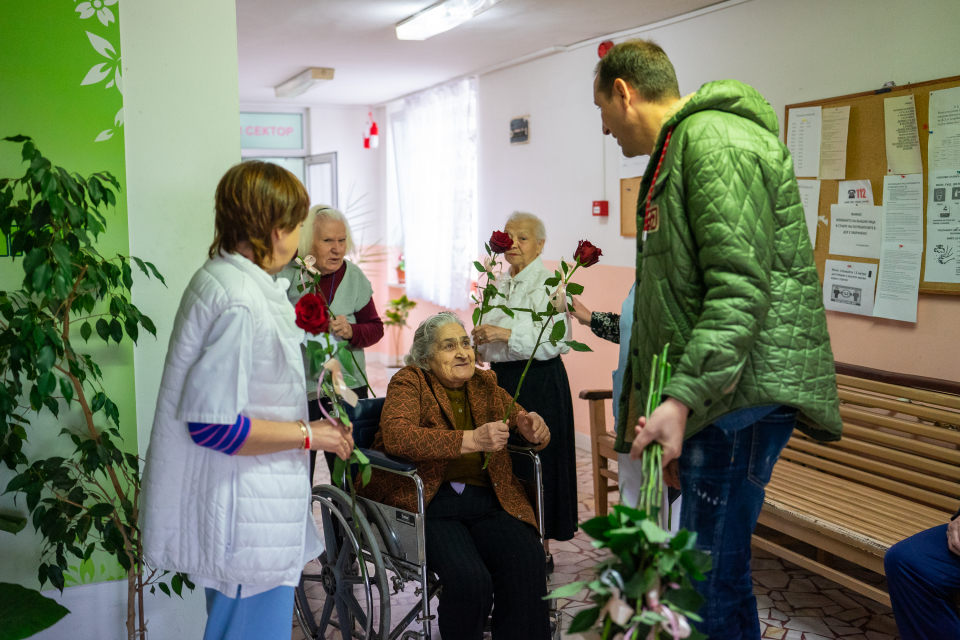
x: 645, y: 591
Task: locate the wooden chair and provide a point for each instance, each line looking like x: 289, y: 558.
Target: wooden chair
x: 601, y: 447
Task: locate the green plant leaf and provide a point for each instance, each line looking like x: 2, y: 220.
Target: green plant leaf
x: 47, y: 383
x: 12, y: 524
x: 103, y: 330
x: 46, y: 358
x: 26, y: 612
x: 156, y: 274
x: 567, y: 590
x: 551, y: 282
x: 177, y: 583
x: 558, y: 331
x: 163, y: 587
x: 100, y: 510
x: 574, y: 289
x: 654, y: 534
x: 577, y: 346
x: 479, y: 267
x: 116, y: 330
x: 147, y: 324
x: 584, y: 620
x: 85, y: 331
x: 685, y: 598
x: 476, y: 316
x: 132, y: 329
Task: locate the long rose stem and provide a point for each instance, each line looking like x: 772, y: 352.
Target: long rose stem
x: 362, y: 374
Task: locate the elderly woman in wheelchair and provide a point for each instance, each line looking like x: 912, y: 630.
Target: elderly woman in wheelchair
x: 434, y: 513
x: 445, y: 415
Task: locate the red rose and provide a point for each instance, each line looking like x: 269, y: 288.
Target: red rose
x: 500, y: 242
x: 587, y: 254
x: 312, y: 314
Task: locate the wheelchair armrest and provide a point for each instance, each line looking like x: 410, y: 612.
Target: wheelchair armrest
x: 521, y: 448
x: 387, y: 462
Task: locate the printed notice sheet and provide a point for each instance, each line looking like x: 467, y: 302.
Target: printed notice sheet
x: 855, y: 230
x: 855, y: 192
x: 803, y: 141
x: 903, y: 139
x: 633, y: 167
x: 903, y: 209
x: 899, y: 282
x: 943, y: 227
x: 943, y: 145
x: 848, y: 286
x: 810, y: 199
x: 834, y: 126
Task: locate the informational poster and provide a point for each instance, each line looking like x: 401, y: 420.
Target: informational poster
x: 633, y: 167
x: 943, y: 145
x: 903, y: 138
x: 943, y: 227
x: 803, y: 141
x: 899, y: 282
x: 855, y: 192
x: 855, y: 230
x: 810, y: 199
x: 849, y: 286
x: 903, y: 209
x: 835, y: 124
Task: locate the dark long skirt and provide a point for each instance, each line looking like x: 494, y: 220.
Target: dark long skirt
x: 546, y: 391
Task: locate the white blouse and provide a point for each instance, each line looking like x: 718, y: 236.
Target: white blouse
x: 525, y: 290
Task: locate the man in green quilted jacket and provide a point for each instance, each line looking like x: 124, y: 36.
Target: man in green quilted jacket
x: 726, y: 278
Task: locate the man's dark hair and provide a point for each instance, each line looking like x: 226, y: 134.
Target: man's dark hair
x: 641, y: 64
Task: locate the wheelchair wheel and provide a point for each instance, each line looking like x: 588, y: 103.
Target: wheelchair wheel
x: 352, y: 579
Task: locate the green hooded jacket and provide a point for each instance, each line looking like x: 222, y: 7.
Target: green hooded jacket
x: 727, y: 277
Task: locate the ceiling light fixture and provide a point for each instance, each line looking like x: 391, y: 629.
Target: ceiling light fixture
x: 301, y: 82
x: 441, y: 17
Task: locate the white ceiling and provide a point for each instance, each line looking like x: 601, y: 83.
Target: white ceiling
x: 279, y: 38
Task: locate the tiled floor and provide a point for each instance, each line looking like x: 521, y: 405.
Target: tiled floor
x: 793, y: 604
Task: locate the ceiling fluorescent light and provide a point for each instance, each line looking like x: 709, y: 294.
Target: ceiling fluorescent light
x: 302, y: 82
x: 441, y: 17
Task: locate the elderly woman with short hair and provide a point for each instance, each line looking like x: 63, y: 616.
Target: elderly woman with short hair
x: 445, y: 415
x: 507, y: 342
x: 326, y: 236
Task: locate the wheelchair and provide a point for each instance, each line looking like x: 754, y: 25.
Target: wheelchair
x: 373, y: 553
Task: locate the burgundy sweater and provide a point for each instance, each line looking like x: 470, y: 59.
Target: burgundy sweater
x: 368, y: 329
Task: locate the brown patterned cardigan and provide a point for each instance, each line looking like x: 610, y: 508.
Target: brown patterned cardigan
x: 417, y: 425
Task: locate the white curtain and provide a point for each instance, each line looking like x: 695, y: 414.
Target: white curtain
x: 434, y: 144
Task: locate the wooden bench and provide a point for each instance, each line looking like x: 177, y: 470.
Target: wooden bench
x: 896, y: 472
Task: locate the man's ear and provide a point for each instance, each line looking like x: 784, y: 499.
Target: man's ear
x: 621, y: 91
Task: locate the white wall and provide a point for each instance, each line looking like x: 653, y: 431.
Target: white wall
x: 181, y: 127
x: 790, y: 50
x: 359, y: 170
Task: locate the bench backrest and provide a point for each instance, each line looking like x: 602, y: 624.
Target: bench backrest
x: 903, y: 439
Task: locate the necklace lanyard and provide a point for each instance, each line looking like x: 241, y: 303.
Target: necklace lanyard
x: 647, y: 215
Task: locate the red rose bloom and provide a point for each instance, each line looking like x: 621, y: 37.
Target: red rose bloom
x: 500, y: 242
x: 587, y: 254
x: 312, y: 314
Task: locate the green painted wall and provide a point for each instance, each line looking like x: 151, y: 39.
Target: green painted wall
x: 60, y: 84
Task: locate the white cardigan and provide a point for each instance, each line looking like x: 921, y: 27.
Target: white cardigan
x: 229, y: 520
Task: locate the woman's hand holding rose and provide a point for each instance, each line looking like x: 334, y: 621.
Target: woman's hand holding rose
x: 533, y: 429
x: 488, y: 333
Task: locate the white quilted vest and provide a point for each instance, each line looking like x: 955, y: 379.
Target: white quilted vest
x: 235, y: 519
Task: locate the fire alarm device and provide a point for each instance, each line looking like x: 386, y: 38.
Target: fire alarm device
x: 604, y: 48
x: 600, y: 208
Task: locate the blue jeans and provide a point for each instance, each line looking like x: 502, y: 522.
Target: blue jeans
x: 923, y: 576
x: 722, y: 476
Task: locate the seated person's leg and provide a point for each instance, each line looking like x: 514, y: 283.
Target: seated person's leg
x: 923, y: 577
x: 512, y: 552
x: 467, y: 595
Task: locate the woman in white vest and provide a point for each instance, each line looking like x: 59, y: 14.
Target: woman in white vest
x: 225, y: 491
x: 326, y: 236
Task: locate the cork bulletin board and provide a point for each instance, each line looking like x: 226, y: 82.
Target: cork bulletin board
x: 867, y: 159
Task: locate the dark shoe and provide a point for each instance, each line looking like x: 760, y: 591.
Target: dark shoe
x: 549, y: 563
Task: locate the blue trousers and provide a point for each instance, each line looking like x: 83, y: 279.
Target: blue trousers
x: 923, y: 576
x: 723, y: 475
x: 265, y: 616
